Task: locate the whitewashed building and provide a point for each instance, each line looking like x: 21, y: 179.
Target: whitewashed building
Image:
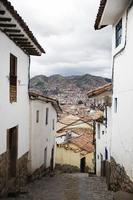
x: 101, y: 99
x: 17, y: 43
x: 43, y: 119
x: 119, y: 14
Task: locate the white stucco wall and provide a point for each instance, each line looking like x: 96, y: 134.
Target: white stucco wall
x: 122, y: 134
x: 41, y: 135
x: 13, y: 114
x: 104, y: 142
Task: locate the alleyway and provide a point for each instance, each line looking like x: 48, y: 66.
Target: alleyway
x: 67, y: 187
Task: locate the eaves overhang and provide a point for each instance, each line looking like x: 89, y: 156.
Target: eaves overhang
x: 109, y: 12
x: 12, y: 24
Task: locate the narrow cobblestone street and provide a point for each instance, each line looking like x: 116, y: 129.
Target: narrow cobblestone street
x: 67, y: 187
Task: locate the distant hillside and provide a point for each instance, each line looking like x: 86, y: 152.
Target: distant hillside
x: 56, y: 84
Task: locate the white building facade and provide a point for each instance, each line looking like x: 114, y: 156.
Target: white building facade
x: 101, y: 99
x: 43, y: 125
x: 119, y: 14
x: 14, y: 99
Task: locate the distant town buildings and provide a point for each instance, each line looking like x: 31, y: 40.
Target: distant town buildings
x: 74, y: 144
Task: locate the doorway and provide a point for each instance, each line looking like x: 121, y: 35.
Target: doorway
x: 12, y: 146
x: 45, y: 158
x: 52, y: 160
x: 82, y: 165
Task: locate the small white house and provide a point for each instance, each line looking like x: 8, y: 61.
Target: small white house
x: 119, y: 14
x: 17, y: 43
x: 101, y: 99
x: 43, y: 119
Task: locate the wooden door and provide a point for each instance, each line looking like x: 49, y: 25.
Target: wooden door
x: 82, y: 165
x: 52, y: 159
x: 12, y: 144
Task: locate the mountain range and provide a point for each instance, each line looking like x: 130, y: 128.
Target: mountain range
x: 55, y: 84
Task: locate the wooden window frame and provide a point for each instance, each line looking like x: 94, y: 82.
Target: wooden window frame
x: 13, y: 78
x: 118, y: 33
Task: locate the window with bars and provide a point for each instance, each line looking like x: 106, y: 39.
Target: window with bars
x: 13, y: 78
x: 118, y: 34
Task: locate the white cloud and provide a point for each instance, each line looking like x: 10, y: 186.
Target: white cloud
x: 65, y: 30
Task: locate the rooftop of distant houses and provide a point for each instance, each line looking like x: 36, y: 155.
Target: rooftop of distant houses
x: 83, y: 141
x: 100, y: 90
x: 34, y: 95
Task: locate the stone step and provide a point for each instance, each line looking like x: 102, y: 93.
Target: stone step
x: 123, y: 196
x: 12, y: 187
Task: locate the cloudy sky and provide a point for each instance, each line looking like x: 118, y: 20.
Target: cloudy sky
x: 65, y: 30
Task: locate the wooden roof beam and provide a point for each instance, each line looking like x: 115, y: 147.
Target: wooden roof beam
x: 8, y: 25
x: 23, y: 43
x: 31, y: 49
x: 27, y: 46
x: 12, y: 30
x: 5, y: 19
x: 2, y: 12
x: 20, y: 39
x: 16, y: 35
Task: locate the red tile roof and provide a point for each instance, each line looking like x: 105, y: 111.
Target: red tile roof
x: 84, y: 142
x: 54, y: 102
x: 100, y: 90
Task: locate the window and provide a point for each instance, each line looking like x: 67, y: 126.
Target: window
x: 115, y: 105
x: 47, y: 112
x: 102, y: 132
x: 37, y: 116
x: 118, y: 33
x: 106, y: 154
x: 98, y: 130
x: 53, y: 124
x: 13, y: 78
x: 106, y: 116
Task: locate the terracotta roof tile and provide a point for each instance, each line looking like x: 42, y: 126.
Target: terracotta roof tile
x: 100, y: 90
x: 54, y: 102
x: 84, y: 142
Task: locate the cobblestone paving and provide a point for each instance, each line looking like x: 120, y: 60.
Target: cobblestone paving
x: 67, y: 187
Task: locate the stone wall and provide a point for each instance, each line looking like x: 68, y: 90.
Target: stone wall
x: 119, y: 180
x: 3, y: 174
x: 38, y: 173
x: 17, y: 183
x: 22, y: 172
